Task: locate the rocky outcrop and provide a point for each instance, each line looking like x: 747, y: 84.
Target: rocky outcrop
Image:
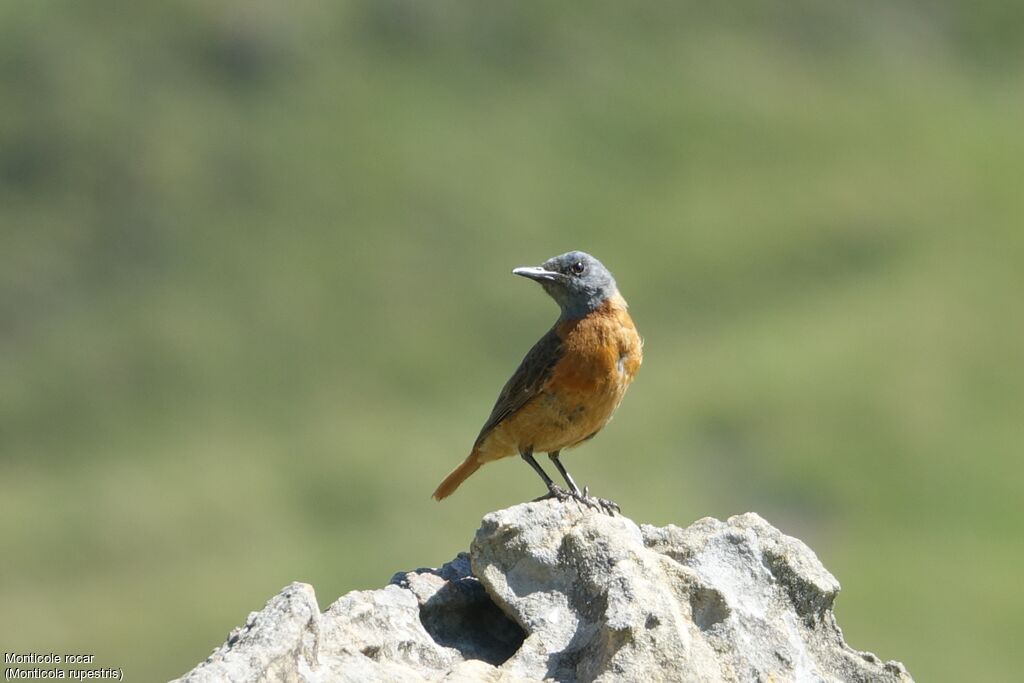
x: 551, y: 591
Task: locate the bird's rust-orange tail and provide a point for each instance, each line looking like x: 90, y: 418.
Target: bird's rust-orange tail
x: 457, y: 476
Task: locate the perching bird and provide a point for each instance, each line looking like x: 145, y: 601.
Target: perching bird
x: 569, y: 384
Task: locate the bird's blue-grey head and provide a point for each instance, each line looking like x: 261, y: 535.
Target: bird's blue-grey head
x: 576, y: 280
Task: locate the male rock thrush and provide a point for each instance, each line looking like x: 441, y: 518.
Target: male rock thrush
x: 569, y: 384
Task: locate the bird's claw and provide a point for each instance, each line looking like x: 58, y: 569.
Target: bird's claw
x: 604, y: 505
x: 583, y: 498
x: 556, y: 492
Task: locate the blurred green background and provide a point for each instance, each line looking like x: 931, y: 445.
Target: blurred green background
x: 255, y: 297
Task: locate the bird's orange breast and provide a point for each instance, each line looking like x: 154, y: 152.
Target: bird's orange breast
x: 601, y: 354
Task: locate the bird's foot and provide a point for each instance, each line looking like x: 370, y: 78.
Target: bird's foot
x: 609, y: 507
x: 606, y: 506
x: 583, y: 498
x: 556, y: 492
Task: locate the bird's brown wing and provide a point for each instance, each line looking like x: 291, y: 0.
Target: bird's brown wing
x: 526, y: 382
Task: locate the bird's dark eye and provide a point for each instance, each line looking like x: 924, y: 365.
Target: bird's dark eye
x: 577, y: 268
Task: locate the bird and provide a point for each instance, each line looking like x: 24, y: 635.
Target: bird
x: 569, y: 384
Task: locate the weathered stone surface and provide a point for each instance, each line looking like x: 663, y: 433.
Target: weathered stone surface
x: 552, y: 591
x: 278, y: 643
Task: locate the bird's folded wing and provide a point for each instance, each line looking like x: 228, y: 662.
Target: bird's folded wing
x: 527, y: 382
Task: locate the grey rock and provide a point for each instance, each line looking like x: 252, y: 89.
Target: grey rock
x: 278, y: 643
x: 552, y: 591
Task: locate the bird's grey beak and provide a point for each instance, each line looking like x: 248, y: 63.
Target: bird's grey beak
x: 537, y: 273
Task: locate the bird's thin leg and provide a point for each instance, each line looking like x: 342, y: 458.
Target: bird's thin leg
x: 565, y: 474
x: 553, y: 489
x: 583, y: 496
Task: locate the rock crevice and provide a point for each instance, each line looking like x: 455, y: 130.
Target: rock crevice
x: 550, y: 591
